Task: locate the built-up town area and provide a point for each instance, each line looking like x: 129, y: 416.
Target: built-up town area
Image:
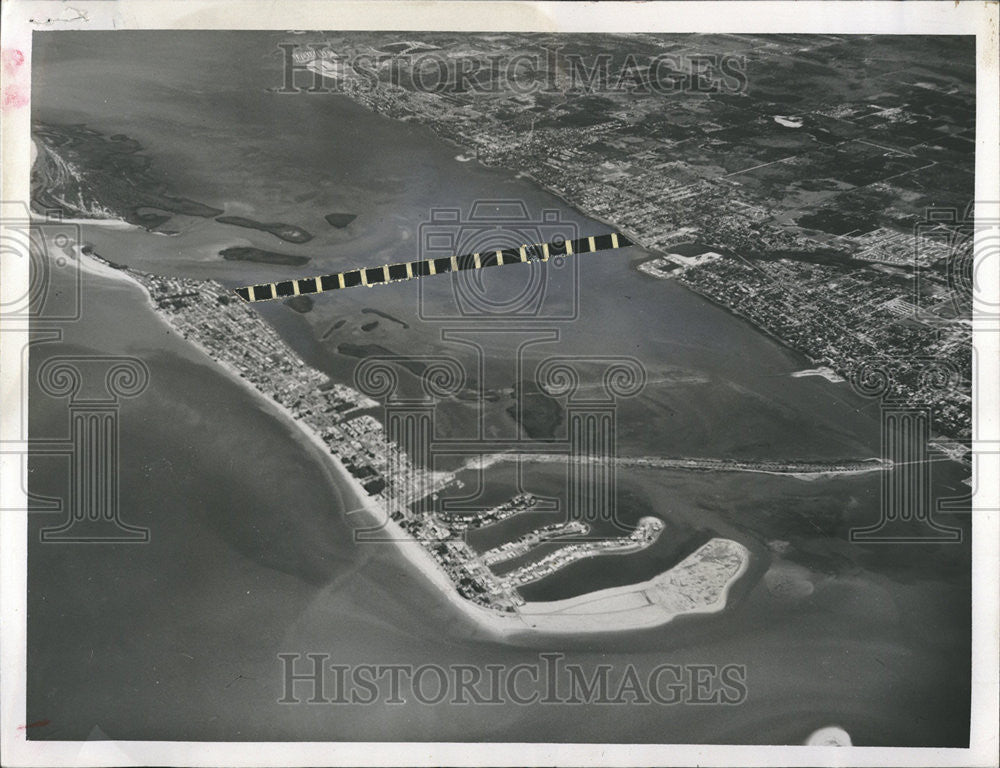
x: 816, y: 185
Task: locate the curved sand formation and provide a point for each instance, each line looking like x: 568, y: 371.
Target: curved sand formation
x: 698, y: 584
x: 831, y: 736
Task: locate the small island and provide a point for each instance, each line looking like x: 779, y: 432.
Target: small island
x: 249, y: 253
x: 82, y: 173
x: 287, y: 232
x: 386, y: 315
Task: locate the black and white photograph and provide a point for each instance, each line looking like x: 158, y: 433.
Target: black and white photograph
x: 500, y: 383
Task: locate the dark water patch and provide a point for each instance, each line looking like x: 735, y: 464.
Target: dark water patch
x: 250, y: 253
x: 300, y: 304
x: 386, y: 315
x: 607, y: 571
x: 539, y: 414
x: 336, y: 326
x: 340, y: 220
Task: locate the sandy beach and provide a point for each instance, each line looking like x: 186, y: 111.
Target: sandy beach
x: 617, y: 612
x: 825, y: 372
x: 699, y: 584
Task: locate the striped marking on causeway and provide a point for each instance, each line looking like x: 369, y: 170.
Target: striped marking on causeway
x: 394, y: 273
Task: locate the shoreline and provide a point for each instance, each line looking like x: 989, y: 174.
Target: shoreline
x: 668, y: 464
x: 759, y: 328
x: 473, y: 152
x: 413, y: 551
x: 545, y: 617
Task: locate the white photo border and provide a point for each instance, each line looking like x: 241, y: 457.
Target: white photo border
x: 21, y: 17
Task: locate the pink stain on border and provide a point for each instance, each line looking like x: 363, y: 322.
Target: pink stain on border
x: 14, y: 97
x: 12, y: 58
x: 36, y: 724
x: 14, y: 94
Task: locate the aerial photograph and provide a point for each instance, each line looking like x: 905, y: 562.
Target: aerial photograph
x: 501, y: 387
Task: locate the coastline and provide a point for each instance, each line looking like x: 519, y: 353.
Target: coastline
x: 412, y: 550
x: 735, y: 313
x: 544, y: 617
x: 256, y: 542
